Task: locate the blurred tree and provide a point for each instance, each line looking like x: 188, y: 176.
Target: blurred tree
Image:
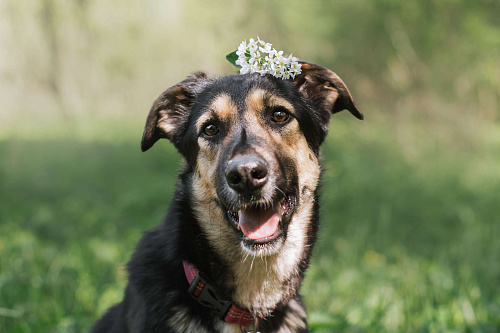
x: 49, y: 26
x: 419, y: 55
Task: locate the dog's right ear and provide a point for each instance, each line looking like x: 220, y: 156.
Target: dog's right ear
x: 170, y: 112
x: 326, y: 90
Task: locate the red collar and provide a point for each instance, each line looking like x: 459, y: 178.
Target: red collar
x: 205, y: 294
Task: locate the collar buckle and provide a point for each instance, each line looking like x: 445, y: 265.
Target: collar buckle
x: 205, y: 295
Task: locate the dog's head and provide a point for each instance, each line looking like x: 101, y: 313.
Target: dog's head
x: 251, y: 143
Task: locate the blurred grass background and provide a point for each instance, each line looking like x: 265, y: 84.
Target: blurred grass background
x: 410, y: 207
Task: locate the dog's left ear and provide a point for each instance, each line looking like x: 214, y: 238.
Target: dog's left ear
x: 325, y: 90
x: 170, y: 112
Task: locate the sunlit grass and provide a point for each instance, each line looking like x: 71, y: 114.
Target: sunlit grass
x: 71, y: 216
x: 406, y: 245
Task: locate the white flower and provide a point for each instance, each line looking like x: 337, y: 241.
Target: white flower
x: 245, y: 68
x: 254, y: 57
x: 242, y: 48
x: 254, y: 68
x: 265, y: 47
x: 295, y: 67
x: 269, y: 58
x: 252, y: 45
x: 259, y: 57
x: 273, y: 70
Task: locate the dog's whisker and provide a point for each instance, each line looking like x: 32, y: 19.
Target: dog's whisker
x: 251, y: 265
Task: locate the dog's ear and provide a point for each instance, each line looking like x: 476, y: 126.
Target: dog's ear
x: 170, y: 112
x: 325, y: 90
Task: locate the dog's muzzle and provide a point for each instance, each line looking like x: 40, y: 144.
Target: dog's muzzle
x: 257, y: 214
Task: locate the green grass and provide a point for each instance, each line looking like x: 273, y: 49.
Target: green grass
x: 408, y: 243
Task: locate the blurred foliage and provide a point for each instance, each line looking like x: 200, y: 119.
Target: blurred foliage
x: 406, y: 58
x: 409, y: 241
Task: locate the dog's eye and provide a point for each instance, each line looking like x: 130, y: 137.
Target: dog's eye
x: 210, y: 130
x: 280, y: 116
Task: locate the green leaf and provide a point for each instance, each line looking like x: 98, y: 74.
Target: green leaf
x: 232, y: 57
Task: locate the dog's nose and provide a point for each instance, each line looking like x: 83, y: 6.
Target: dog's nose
x: 246, y: 173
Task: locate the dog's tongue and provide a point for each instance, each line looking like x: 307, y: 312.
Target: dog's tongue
x: 259, y: 223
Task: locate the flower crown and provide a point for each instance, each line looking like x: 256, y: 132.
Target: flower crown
x: 257, y: 56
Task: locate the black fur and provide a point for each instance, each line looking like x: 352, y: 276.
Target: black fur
x: 157, y: 287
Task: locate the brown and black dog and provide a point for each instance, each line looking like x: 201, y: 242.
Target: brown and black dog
x: 231, y: 253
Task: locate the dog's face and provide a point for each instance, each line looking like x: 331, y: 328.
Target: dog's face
x: 251, y: 144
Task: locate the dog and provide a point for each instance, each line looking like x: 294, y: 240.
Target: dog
x: 232, y: 250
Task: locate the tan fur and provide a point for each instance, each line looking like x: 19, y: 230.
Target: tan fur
x: 291, y: 139
x: 295, y: 319
x: 166, y: 122
x: 258, y: 278
x: 222, y: 107
x: 258, y: 98
x: 251, y: 186
x: 331, y: 96
x: 224, y: 327
x: 184, y: 321
x: 206, y: 210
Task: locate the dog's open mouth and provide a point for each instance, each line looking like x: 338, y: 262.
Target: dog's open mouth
x: 261, y: 223
x: 257, y: 223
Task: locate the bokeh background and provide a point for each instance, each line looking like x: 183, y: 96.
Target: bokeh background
x: 410, y: 236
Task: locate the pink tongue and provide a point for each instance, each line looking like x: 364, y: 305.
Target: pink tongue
x: 259, y: 223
